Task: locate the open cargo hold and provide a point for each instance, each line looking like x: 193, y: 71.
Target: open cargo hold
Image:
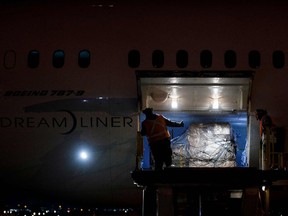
x: 213, y: 106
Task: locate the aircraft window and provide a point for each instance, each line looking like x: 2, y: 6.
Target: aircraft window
x: 10, y: 59
x: 134, y: 58
x: 206, y: 58
x: 278, y: 59
x: 230, y: 59
x: 158, y: 58
x: 33, y: 59
x: 58, y: 58
x: 182, y: 58
x: 254, y: 59
x: 84, y: 58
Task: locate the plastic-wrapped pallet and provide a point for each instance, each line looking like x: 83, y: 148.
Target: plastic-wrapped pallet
x: 205, y: 145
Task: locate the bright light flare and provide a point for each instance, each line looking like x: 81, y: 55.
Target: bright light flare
x: 174, y: 98
x: 174, y: 104
x: 83, y: 155
x: 215, y: 91
x: 215, y: 103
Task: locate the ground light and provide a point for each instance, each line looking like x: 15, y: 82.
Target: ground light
x: 83, y: 155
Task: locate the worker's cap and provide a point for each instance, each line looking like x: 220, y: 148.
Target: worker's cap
x: 148, y: 111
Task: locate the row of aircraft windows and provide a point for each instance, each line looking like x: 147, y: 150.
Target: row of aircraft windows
x: 134, y: 59
x: 206, y: 59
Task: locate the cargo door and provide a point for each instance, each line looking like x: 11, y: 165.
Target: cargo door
x: 204, y: 100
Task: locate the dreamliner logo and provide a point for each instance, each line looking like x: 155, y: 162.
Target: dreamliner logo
x: 67, y: 123
x: 69, y: 114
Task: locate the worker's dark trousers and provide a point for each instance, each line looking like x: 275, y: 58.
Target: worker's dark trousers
x: 162, y: 153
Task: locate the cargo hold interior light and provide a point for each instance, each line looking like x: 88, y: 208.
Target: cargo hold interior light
x: 174, y: 103
x: 215, y: 95
x: 188, y: 92
x: 174, y: 97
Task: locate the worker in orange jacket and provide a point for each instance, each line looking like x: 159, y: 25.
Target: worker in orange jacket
x: 155, y: 128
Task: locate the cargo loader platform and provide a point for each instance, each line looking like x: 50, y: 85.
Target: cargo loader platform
x: 210, y: 191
